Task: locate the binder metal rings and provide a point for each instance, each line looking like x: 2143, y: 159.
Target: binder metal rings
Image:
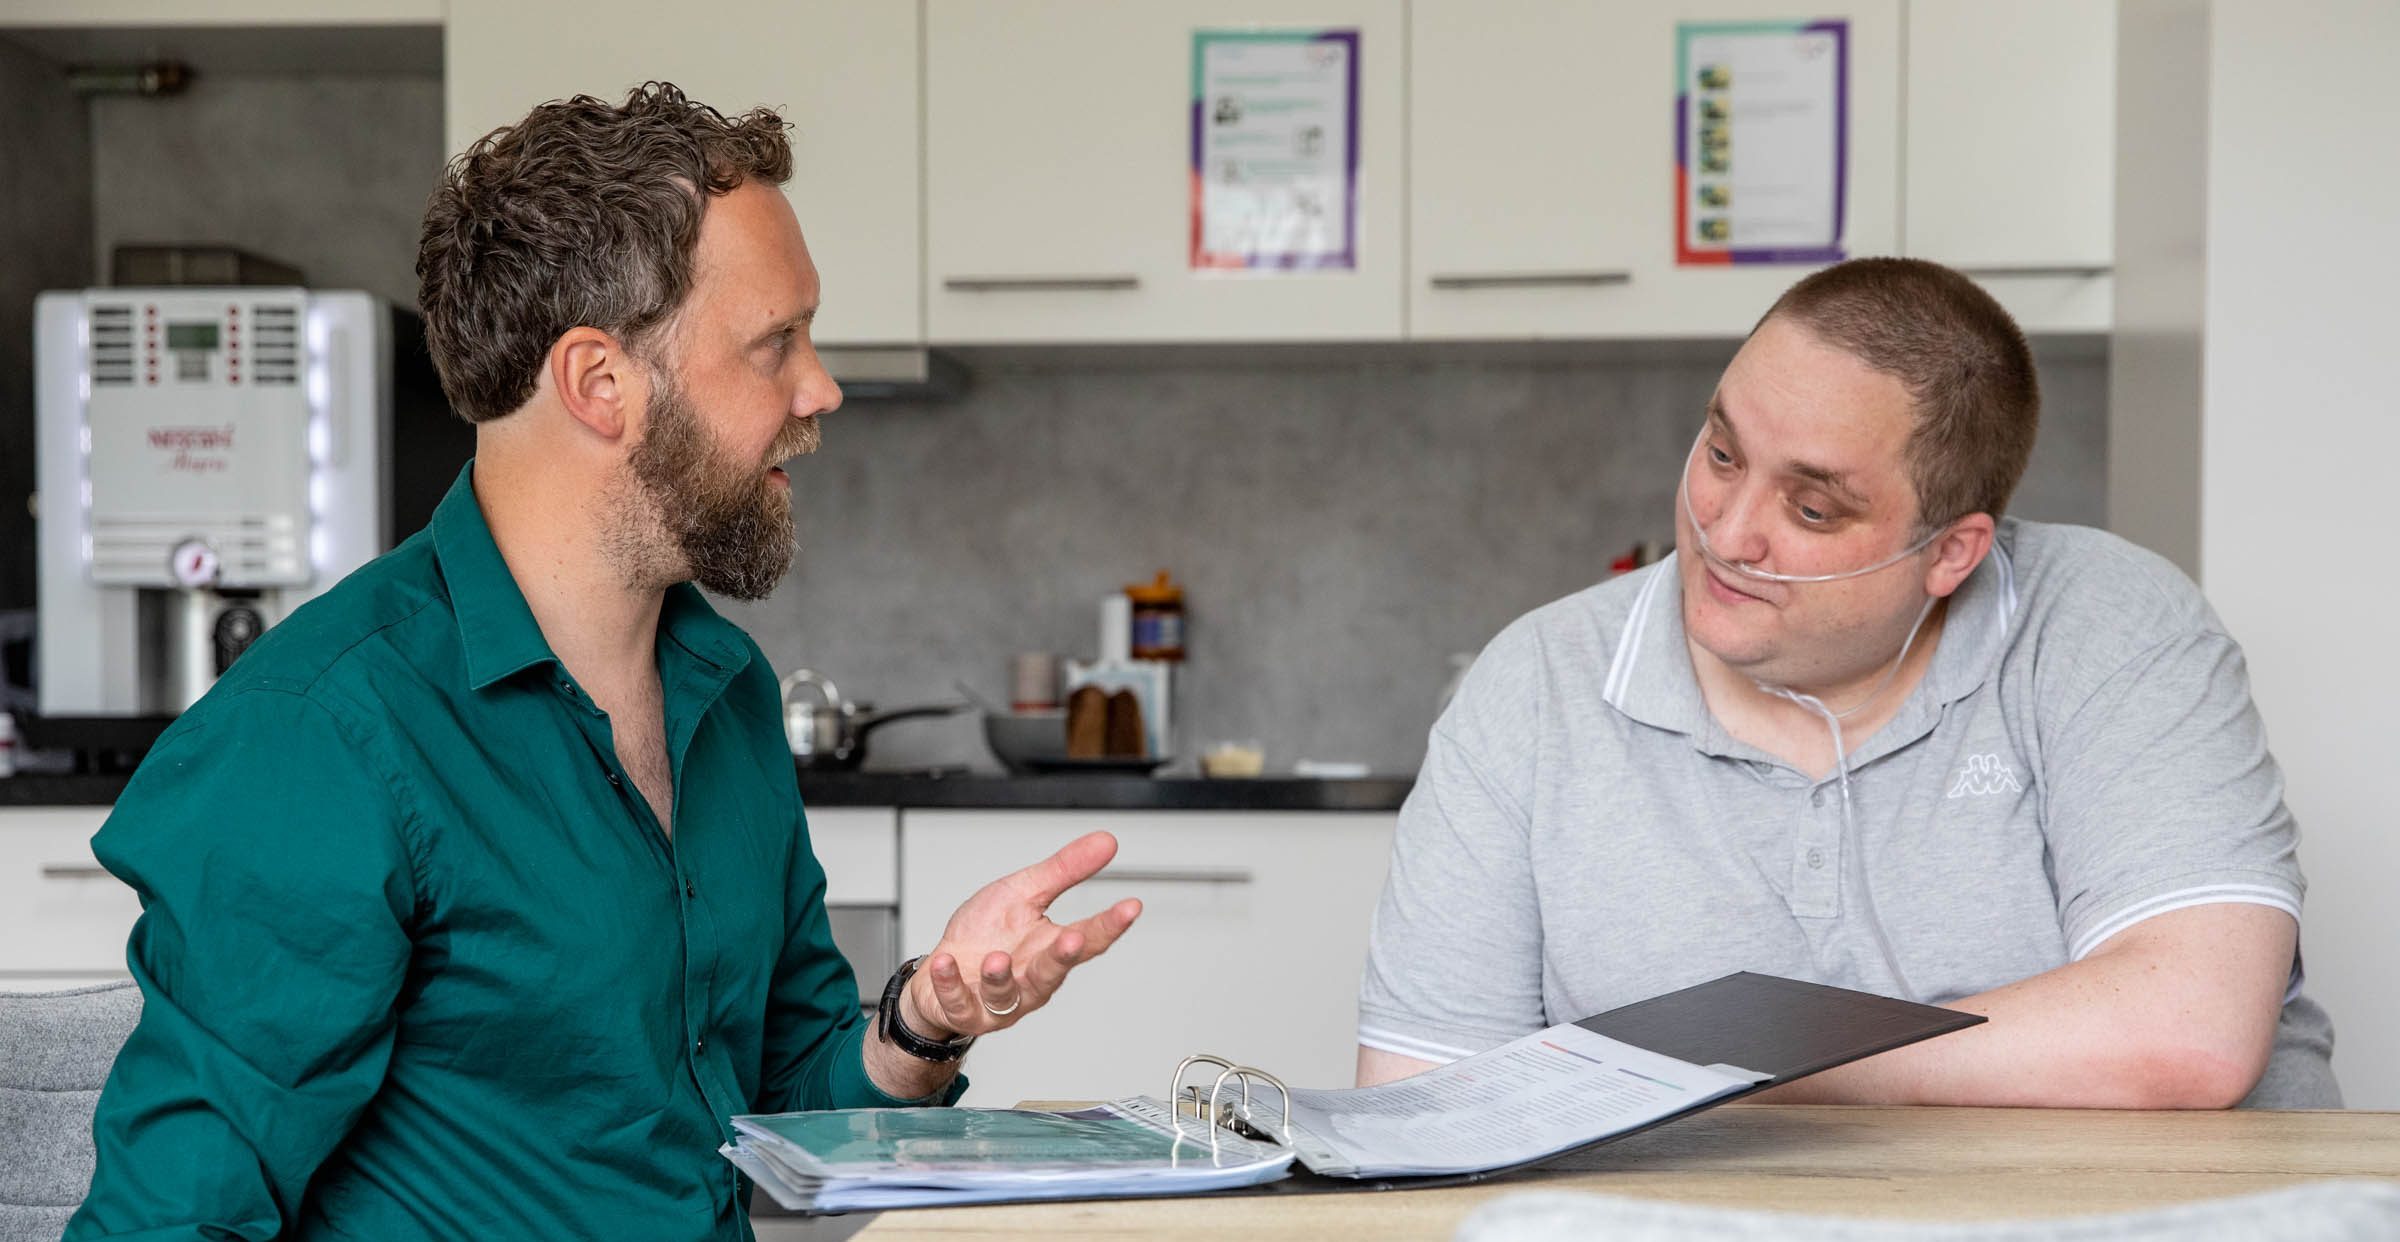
x: 1209, y: 1110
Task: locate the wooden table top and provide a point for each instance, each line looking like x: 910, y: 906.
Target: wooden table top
x: 1920, y: 1163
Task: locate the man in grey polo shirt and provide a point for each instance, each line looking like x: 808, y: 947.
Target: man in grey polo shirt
x: 1862, y: 729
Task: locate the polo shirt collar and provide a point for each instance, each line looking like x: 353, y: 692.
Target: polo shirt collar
x: 496, y: 626
x: 1650, y: 676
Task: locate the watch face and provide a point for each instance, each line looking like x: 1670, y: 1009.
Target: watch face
x: 194, y: 563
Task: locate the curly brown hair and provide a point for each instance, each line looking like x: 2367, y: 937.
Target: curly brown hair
x: 1962, y: 358
x: 582, y: 214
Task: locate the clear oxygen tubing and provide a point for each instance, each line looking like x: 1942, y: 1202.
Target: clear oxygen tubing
x: 1745, y: 569
x: 1853, y: 846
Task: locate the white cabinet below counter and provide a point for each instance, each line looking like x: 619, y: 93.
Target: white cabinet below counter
x: 63, y: 920
x: 1252, y: 935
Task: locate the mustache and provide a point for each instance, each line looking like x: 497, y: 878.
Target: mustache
x: 797, y: 440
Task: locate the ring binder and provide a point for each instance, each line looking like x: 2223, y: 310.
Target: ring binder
x: 1537, y: 1099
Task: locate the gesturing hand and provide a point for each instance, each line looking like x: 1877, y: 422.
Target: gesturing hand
x: 1020, y: 956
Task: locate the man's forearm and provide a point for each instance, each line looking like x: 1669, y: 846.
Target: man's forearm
x: 896, y: 1073
x: 2182, y: 1014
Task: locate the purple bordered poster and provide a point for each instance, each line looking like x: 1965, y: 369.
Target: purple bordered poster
x: 1274, y: 149
x: 1762, y: 141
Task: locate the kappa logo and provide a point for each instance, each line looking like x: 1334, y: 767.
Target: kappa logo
x: 1984, y: 776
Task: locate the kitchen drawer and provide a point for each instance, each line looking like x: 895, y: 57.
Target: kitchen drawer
x: 61, y: 916
x: 859, y: 847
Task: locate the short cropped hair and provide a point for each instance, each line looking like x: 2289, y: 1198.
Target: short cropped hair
x: 582, y: 214
x: 1961, y: 357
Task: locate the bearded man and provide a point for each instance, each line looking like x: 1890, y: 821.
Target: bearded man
x: 478, y: 895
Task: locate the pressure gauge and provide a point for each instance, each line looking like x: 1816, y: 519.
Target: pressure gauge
x: 195, y: 563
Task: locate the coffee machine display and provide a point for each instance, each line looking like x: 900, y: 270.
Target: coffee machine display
x: 209, y: 460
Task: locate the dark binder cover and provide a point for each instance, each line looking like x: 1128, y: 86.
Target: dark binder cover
x: 1783, y: 1027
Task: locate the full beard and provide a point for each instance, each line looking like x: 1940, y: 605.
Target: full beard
x: 728, y: 529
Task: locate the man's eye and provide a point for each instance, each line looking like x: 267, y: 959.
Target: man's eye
x: 1812, y: 516
x: 1719, y: 456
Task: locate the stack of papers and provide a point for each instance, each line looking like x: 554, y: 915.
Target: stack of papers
x: 866, y: 1159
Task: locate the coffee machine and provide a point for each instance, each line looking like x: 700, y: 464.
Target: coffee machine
x: 210, y: 458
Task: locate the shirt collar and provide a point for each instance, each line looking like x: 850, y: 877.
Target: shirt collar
x: 1650, y: 677
x: 497, y: 628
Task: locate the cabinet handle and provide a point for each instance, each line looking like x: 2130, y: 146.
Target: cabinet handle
x: 2038, y: 269
x: 1038, y: 284
x: 1528, y: 280
x: 74, y: 871
x: 1175, y: 875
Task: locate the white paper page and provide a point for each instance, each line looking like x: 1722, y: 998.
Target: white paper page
x: 1547, y: 1092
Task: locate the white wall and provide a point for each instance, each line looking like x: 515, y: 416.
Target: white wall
x: 2300, y: 502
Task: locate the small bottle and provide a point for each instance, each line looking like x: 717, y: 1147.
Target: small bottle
x: 1157, y: 618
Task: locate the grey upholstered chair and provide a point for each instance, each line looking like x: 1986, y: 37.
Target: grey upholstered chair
x: 55, y: 1050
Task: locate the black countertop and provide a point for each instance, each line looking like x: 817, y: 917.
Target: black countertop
x: 917, y: 789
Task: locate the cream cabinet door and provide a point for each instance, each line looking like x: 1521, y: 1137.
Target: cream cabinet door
x: 1542, y: 141
x: 2011, y: 158
x: 1252, y: 935
x: 842, y: 72
x: 1058, y: 181
x: 63, y: 920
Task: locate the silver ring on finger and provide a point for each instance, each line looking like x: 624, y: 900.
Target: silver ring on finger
x: 1002, y: 1013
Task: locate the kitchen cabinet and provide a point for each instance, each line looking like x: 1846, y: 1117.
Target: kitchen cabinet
x: 1252, y: 935
x: 1058, y: 186
x: 1542, y: 168
x: 859, y: 848
x: 63, y: 920
x: 843, y: 73
x: 2011, y: 152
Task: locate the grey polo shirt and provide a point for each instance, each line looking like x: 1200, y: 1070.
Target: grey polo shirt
x: 2081, y: 755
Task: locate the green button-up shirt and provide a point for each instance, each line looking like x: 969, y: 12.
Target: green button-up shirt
x: 417, y: 960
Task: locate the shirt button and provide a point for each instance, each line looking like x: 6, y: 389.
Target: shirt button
x: 614, y: 781
x: 698, y: 1046
x: 1816, y: 860
x: 1816, y: 797
x: 689, y: 890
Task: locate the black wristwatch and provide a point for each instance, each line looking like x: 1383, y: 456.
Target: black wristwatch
x: 896, y: 1032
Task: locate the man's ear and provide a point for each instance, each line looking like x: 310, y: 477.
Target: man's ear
x: 598, y: 381
x: 1957, y: 551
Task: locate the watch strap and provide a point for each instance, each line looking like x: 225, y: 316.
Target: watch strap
x: 896, y: 1032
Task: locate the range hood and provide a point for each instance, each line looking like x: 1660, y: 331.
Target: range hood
x: 893, y: 372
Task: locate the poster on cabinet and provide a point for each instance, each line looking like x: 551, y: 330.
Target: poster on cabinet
x: 1274, y: 150
x: 1762, y: 135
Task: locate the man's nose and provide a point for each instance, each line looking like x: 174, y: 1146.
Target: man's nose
x: 1739, y: 533
x: 818, y: 393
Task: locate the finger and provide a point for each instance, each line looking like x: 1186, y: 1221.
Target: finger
x: 1045, y: 970
x: 999, y: 994
x: 1102, y: 929
x: 958, y: 1007
x: 1079, y: 860
x: 1076, y: 944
